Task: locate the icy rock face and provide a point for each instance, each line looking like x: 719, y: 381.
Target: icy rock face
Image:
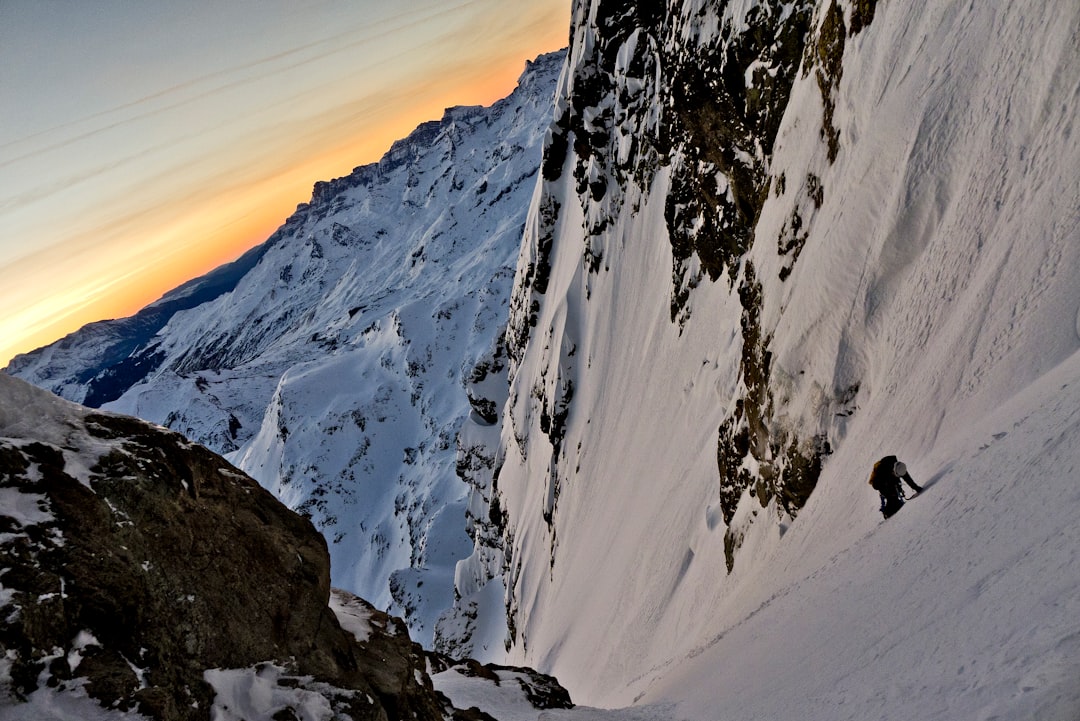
x: 333, y: 370
x: 659, y: 156
x: 141, y: 570
x: 476, y: 586
x: 694, y: 100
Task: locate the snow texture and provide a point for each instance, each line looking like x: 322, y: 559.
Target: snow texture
x: 48, y: 704
x: 353, y: 616
x: 255, y: 693
x: 69, y: 703
x: 506, y: 701
x: 26, y: 413
x: 931, y: 315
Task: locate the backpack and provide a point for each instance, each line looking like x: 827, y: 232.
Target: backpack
x: 882, y: 477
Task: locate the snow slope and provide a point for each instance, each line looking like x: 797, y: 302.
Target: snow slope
x: 964, y: 605
x: 932, y: 312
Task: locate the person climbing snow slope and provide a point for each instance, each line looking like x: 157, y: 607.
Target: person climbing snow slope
x: 885, y: 479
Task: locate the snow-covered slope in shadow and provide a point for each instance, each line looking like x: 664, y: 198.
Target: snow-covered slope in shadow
x: 911, y: 288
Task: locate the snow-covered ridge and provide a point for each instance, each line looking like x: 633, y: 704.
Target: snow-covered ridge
x: 98, y: 362
x: 334, y: 370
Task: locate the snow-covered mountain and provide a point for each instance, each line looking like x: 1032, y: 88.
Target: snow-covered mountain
x: 144, y: 577
x: 332, y: 369
x: 98, y: 362
x: 771, y: 242
x: 774, y: 242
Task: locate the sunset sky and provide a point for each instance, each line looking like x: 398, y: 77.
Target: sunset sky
x: 142, y: 144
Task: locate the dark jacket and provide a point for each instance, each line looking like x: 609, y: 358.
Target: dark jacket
x: 886, y: 482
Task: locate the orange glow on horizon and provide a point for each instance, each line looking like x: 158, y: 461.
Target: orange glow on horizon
x: 216, y: 226
x: 273, y: 199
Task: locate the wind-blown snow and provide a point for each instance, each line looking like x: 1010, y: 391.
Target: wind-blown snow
x: 24, y: 508
x: 505, y: 701
x: 255, y: 693
x: 939, y: 277
x: 27, y: 416
x: 72, y: 704
x: 353, y: 616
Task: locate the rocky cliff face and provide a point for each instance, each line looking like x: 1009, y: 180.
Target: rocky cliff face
x: 664, y: 132
x: 145, y: 572
x: 693, y: 99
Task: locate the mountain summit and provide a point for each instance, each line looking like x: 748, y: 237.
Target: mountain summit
x: 330, y: 362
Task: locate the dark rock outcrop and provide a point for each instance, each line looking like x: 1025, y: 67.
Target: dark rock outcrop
x: 540, y: 690
x: 134, y: 561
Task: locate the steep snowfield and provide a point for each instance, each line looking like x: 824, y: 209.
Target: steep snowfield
x: 939, y: 277
x: 966, y: 604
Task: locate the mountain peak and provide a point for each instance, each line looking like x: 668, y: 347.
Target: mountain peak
x: 332, y: 368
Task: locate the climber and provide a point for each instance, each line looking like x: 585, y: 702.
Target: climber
x: 885, y: 478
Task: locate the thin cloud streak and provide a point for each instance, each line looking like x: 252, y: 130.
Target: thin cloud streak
x: 184, y: 186
x: 211, y: 92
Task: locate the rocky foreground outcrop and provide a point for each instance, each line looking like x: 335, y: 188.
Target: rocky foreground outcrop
x: 145, y: 572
